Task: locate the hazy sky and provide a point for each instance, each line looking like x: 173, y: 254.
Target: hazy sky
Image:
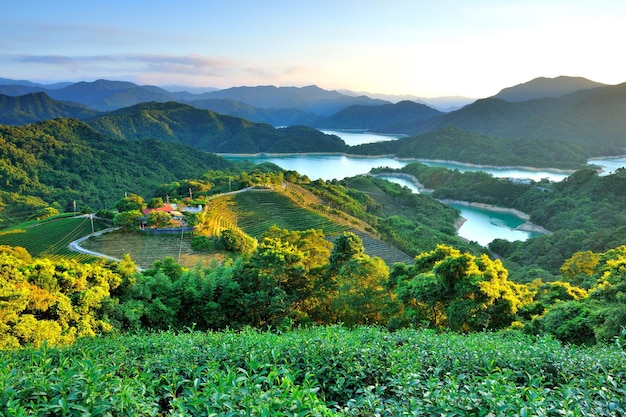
x: 425, y: 48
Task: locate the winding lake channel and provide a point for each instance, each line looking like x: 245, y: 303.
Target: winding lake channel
x: 482, y: 225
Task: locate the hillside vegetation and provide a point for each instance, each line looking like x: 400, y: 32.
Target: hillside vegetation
x: 209, y: 131
x: 57, y: 162
x: 591, y: 118
x: 543, y: 87
x: 585, y: 211
x: 452, y: 144
x: 371, y: 117
x: 37, y: 107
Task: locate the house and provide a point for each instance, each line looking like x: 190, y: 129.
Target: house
x: 165, y: 208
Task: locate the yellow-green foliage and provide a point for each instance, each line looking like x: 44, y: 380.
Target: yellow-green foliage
x: 54, y: 301
x: 460, y: 291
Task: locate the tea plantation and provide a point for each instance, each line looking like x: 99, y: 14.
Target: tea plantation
x: 321, y: 371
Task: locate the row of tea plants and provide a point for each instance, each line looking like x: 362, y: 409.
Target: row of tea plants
x: 320, y: 371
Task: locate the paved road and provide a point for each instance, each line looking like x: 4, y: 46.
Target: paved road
x: 75, y: 245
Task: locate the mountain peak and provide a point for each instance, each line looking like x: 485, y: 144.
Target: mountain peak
x: 543, y: 87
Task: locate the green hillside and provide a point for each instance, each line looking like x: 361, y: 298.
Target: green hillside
x: 36, y: 107
x: 453, y: 144
x: 50, y: 238
x: 61, y: 161
x: 209, y: 131
x: 373, y: 117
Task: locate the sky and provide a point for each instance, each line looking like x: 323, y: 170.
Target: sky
x: 401, y: 47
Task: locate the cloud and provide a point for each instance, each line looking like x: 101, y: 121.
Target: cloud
x: 186, y: 64
x: 156, y: 65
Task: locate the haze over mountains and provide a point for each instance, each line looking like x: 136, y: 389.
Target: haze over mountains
x: 569, y: 109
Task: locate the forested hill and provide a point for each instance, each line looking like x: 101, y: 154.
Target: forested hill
x: 377, y: 117
x: 62, y: 160
x: 458, y: 145
x: 36, y: 107
x: 209, y: 131
x: 593, y: 118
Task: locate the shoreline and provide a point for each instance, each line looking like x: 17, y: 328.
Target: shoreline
x: 392, y: 156
x: 527, y: 226
x: 414, y: 180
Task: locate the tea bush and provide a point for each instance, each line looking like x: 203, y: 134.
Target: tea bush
x: 321, y: 371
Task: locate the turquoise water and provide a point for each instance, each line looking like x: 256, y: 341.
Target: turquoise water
x: 358, y: 137
x: 482, y: 225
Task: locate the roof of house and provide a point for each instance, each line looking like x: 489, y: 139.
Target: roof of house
x: 165, y: 208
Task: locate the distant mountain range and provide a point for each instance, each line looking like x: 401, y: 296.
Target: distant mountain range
x: 280, y: 106
x: 443, y: 104
x: 569, y: 109
x: 377, y: 117
x: 594, y: 118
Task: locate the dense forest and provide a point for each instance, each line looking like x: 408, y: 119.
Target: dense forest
x: 209, y: 131
x: 585, y: 211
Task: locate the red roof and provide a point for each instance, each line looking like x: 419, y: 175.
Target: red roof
x: 166, y: 208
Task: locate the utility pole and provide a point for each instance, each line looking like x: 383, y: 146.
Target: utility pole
x: 180, y: 247
x: 91, y: 218
x: 74, y: 204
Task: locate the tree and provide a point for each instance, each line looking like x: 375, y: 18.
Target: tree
x: 579, y: 266
x: 278, y: 282
x: 458, y: 290
x: 131, y: 202
x: 362, y: 296
x: 128, y: 219
x: 347, y: 246
x: 235, y: 240
x: 158, y: 219
x: 155, y: 202
x: 47, y: 212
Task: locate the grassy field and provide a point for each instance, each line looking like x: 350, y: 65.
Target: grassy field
x: 145, y: 248
x: 324, y: 371
x: 51, y: 238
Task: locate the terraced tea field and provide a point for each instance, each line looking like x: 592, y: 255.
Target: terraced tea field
x: 50, y: 239
x: 258, y: 210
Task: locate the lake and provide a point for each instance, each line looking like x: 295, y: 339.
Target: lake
x: 481, y: 225
x: 328, y: 167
